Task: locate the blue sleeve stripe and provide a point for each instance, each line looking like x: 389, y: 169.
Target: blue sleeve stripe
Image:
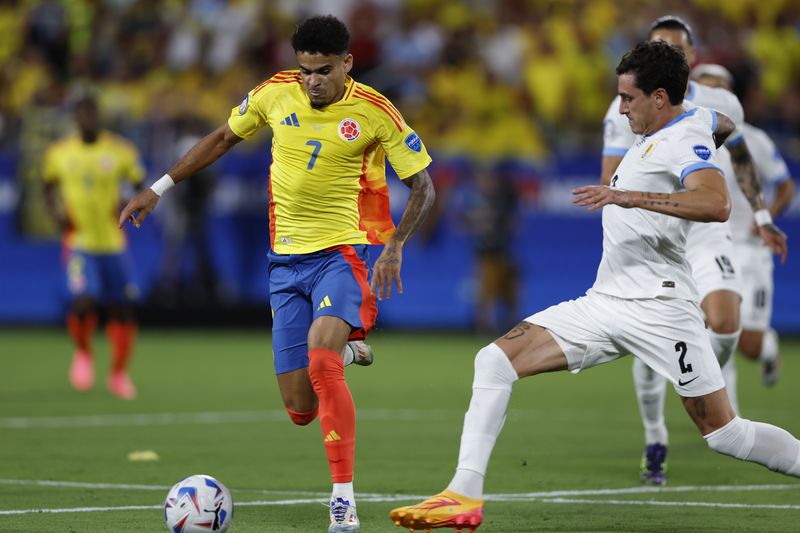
x: 695, y: 167
x: 713, y: 121
x: 734, y: 141
x: 615, y: 151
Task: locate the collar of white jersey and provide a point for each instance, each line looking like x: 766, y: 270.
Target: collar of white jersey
x: 674, y: 121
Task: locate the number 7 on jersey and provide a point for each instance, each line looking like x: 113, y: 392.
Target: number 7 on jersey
x: 317, y: 147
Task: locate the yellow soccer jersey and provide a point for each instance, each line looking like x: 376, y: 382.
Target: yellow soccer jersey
x: 89, y: 178
x: 327, y: 182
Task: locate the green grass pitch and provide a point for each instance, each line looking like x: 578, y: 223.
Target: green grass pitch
x: 208, y: 403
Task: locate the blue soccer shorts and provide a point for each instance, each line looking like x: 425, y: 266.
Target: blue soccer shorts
x: 331, y: 282
x: 103, y: 277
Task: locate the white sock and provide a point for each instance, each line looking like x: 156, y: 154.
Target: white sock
x: 729, y: 374
x: 348, y: 355
x: 769, y: 346
x: 491, y: 391
x: 345, y: 492
x: 724, y: 344
x: 757, y: 442
x: 651, y: 389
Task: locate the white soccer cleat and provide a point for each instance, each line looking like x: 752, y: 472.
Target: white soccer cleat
x: 343, y: 517
x: 362, y: 353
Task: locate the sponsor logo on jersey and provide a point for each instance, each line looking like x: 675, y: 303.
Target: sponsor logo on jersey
x: 349, y: 130
x: 414, y: 143
x: 243, y: 105
x: 703, y: 152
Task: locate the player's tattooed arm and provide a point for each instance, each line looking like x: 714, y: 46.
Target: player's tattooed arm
x: 725, y: 127
x: 750, y: 184
x: 704, y: 200
x: 387, y: 267
x: 419, y: 204
x: 746, y: 175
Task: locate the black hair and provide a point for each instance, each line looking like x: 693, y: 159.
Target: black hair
x: 671, y: 22
x: 324, y: 35
x: 657, y: 65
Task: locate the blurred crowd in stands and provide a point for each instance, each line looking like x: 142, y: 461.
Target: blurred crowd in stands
x: 492, y: 78
x: 498, y: 79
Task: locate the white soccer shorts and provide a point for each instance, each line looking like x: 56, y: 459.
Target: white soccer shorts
x: 710, y: 252
x: 755, y: 261
x: 667, y: 334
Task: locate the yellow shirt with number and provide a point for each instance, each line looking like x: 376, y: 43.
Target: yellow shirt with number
x: 89, y: 177
x: 327, y: 181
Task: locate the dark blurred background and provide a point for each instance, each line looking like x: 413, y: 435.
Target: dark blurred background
x: 508, y: 95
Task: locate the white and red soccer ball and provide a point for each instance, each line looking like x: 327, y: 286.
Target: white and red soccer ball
x: 198, y: 504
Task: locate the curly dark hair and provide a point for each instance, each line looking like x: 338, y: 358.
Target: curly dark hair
x: 671, y: 22
x: 657, y: 65
x: 324, y: 35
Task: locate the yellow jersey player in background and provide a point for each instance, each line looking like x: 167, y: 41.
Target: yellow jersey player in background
x: 328, y: 201
x: 85, y: 171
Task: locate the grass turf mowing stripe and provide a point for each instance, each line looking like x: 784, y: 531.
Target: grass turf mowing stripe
x: 219, y: 417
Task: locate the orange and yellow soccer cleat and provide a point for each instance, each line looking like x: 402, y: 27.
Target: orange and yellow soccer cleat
x: 446, y: 509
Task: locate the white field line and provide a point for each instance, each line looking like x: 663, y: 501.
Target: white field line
x: 128, y: 486
x: 219, y: 417
x: 543, y: 497
x: 658, y: 503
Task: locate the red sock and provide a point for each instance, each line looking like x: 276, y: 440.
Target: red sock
x: 337, y: 412
x: 81, y: 329
x: 121, y: 336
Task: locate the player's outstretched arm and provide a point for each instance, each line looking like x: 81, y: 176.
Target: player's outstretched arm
x: 750, y: 184
x: 387, y: 267
x: 199, y: 156
x: 704, y: 200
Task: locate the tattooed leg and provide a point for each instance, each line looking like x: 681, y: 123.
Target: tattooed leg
x: 532, y: 350
x: 709, y: 412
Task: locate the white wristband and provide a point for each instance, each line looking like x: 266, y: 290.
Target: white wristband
x: 163, y: 184
x: 762, y: 217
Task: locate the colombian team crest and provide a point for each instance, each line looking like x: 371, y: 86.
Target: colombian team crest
x: 349, y: 130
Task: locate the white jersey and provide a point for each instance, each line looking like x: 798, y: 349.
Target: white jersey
x: 644, y: 251
x: 707, y: 241
x: 772, y: 170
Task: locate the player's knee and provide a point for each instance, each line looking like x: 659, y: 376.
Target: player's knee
x: 324, y: 366
x: 302, y: 418
x: 734, y: 438
x: 723, y: 323
x: 493, y: 370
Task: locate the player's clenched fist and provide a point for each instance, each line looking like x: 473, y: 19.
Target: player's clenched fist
x: 138, y: 208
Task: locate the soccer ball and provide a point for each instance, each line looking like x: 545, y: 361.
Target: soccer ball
x: 198, y: 504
